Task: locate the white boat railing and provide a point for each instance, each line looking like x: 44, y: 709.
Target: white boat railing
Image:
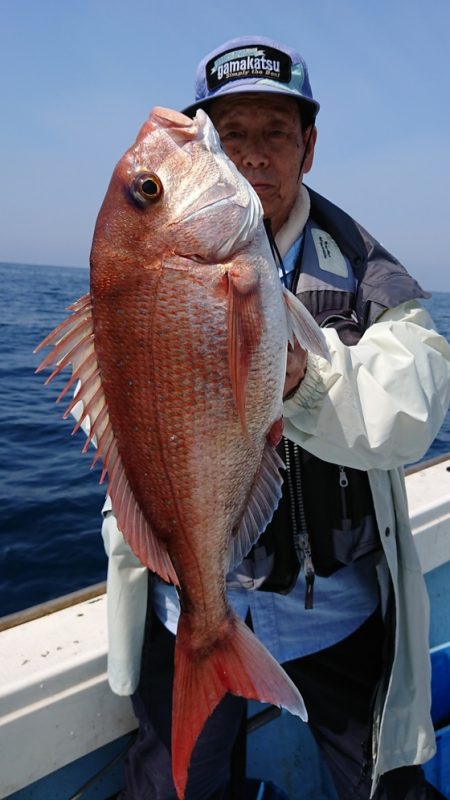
x: 428, y: 488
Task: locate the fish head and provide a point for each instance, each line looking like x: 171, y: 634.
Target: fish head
x: 176, y: 192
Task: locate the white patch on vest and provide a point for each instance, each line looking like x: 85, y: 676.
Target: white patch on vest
x: 328, y: 253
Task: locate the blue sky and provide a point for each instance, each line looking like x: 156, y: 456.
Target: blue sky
x: 78, y: 77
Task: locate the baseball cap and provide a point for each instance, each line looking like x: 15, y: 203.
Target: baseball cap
x: 251, y: 64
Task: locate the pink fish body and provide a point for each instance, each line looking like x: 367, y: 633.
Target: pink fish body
x: 180, y: 354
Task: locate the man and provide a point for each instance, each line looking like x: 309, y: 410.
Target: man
x: 342, y: 604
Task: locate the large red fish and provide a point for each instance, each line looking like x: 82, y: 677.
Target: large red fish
x: 179, y: 351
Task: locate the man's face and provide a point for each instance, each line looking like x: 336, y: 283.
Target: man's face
x: 263, y: 137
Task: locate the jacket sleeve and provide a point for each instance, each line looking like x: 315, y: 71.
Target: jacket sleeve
x: 377, y: 404
x: 126, y: 597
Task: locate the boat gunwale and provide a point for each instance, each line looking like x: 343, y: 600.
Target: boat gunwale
x: 90, y: 592
x: 51, y: 606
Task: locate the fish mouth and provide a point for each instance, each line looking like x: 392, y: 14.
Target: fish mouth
x: 221, y: 190
x: 185, y: 131
x: 246, y: 220
x: 216, y: 195
x: 230, y: 189
x: 181, y: 128
x: 224, y: 191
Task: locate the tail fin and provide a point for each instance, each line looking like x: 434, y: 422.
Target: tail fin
x: 238, y: 663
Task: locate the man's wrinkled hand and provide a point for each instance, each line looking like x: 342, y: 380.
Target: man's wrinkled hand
x: 297, y: 360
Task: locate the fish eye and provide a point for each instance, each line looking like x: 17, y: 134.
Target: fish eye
x: 146, y: 187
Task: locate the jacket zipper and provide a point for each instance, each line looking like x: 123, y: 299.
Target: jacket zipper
x: 343, y: 483
x: 301, y: 539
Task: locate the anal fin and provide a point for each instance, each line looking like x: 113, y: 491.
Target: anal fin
x: 262, y: 503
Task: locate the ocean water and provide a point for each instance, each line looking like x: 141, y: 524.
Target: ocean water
x: 50, y: 500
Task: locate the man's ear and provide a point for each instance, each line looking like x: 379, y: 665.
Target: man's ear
x: 310, y: 151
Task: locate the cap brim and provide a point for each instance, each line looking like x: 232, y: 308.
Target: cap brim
x: 190, y: 111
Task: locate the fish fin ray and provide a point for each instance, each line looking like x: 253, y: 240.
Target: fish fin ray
x: 263, y: 501
x: 244, y: 331
x: 238, y: 663
x: 135, y: 528
x: 303, y: 327
x: 76, y: 320
x: 72, y: 344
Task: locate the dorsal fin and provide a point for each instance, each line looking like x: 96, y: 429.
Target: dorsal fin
x: 73, y: 344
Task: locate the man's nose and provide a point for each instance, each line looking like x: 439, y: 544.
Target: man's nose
x: 255, y: 153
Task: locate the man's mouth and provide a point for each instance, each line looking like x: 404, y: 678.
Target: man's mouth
x: 261, y: 188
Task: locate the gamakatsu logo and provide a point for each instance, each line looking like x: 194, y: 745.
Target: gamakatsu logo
x: 260, y: 63
x: 252, y: 65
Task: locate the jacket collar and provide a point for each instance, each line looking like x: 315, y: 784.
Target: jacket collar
x: 295, y: 223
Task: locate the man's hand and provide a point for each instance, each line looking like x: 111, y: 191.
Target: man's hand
x: 297, y: 360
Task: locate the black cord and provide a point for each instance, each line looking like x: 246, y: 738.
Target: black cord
x: 275, y: 252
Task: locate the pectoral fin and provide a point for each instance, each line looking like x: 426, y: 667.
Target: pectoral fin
x: 303, y: 327
x: 244, y: 331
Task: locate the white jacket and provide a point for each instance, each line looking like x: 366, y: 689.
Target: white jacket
x: 377, y: 406
x: 374, y: 406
